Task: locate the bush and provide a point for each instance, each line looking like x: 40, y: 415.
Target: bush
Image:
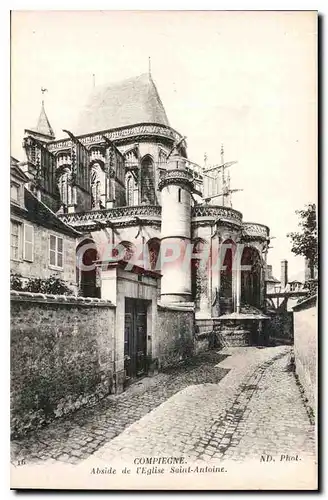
x: 52, y: 285
x: 16, y: 281
x: 311, y: 287
x: 56, y: 286
x: 34, y: 285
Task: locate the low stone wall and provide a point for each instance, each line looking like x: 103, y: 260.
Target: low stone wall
x: 175, y: 333
x: 61, y: 356
x: 305, y: 347
x: 234, y: 332
x: 205, y: 337
x: 230, y: 331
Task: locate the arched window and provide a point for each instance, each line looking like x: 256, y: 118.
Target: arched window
x: 251, y: 279
x: 154, y: 246
x: 95, y: 188
x: 226, y: 256
x: 129, y: 189
x: 148, y: 188
x: 63, y: 186
x: 124, y: 250
x: 86, y: 270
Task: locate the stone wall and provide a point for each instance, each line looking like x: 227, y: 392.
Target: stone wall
x: 61, y: 356
x: 175, y: 334
x: 305, y: 347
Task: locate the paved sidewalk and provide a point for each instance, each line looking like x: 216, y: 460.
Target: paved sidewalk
x: 255, y: 409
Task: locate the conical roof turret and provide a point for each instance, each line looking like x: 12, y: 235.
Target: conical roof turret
x: 43, y: 126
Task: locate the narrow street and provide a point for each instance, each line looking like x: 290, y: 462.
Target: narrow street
x: 236, y: 404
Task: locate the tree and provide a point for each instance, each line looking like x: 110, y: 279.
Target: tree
x: 305, y: 242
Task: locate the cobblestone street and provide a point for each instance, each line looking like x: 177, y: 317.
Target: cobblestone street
x: 81, y: 434
x: 236, y: 404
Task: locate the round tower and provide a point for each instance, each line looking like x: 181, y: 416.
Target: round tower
x: 176, y: 186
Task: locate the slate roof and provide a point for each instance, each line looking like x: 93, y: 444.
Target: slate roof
x: 36, y: 211
x: 128, y: 102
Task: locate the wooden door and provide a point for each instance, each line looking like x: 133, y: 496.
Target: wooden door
x: 135, y: 338
x: 141, y: 338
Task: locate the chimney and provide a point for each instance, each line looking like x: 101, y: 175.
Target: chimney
x: 284, y: 274
x: 269, y: 272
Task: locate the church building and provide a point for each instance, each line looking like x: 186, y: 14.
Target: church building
x: 151, y: 228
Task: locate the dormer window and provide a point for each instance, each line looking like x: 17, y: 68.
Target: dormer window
x: 14, y: 192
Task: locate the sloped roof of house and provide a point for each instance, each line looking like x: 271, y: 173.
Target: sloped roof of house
x: 37, y: 212
x: 16, y: 171
x: 132, y: 101
x: 272, y: 279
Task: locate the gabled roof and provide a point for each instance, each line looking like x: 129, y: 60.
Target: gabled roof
x: 36, y: 211
x: 128, y: 102
x: 16, y: 171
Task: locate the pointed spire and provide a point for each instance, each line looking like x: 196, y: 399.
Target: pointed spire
x: 222, y: 154
x: 149, y: 66
x: 43, y: 127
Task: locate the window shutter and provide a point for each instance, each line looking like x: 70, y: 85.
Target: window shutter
x: 28, y: 242
x: 52, y: 250
x: 60, y: 252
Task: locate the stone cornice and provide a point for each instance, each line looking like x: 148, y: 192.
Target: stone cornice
x: 114, y: 217
x: 179, y: 177
x: 119, y: 134
x: 216, y: 214
x: 254, y: 231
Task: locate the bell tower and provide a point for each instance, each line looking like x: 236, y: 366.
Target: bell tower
x: 176, y: 187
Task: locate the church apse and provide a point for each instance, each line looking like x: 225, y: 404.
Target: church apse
x: 127, y: 179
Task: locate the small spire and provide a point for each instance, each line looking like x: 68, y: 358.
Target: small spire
x: 93, y: 80
x: 222, y: 154
x: 43, y: 127
x: 149, y: 66
x: 43, y: 90
x: 205, y: 159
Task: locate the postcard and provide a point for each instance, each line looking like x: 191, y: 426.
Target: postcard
x: 164, y: 250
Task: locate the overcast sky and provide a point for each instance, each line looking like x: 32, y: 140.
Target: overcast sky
x: 244, y: 79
